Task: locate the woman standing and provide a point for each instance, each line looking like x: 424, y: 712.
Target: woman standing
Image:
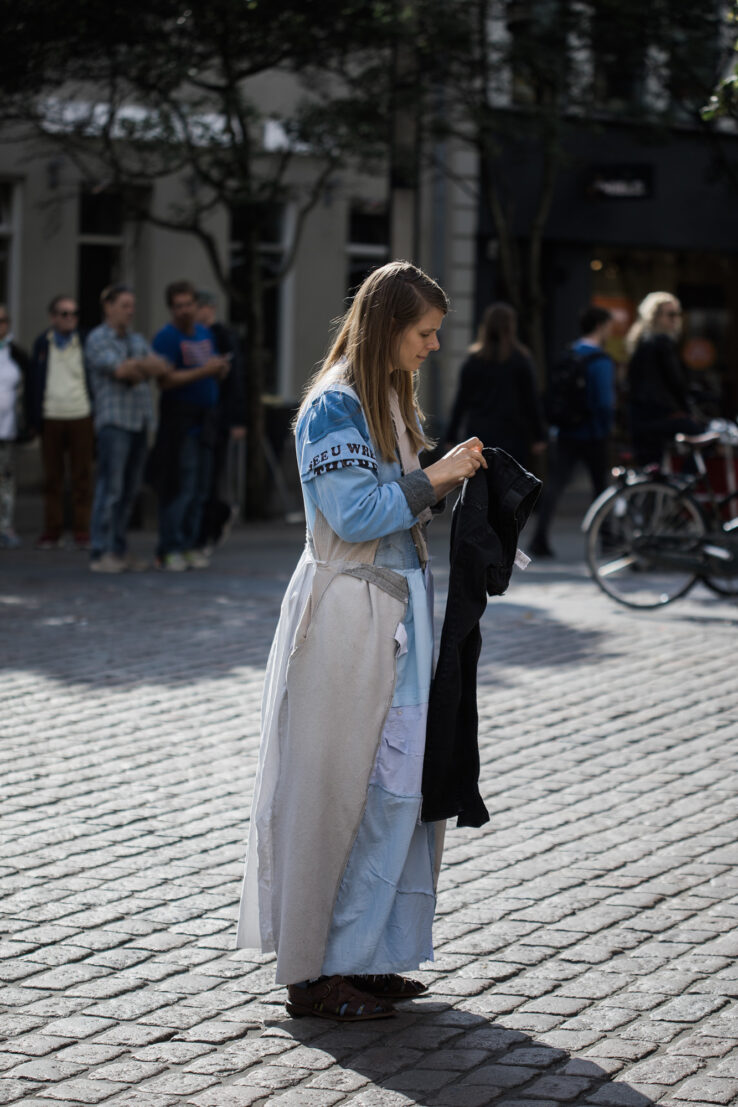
x: 13, y: 372
x: 340, y: 874
x: 497, y: 397
x: 657, y: 382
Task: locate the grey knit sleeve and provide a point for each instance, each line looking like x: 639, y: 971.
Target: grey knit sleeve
x: 418, y: 491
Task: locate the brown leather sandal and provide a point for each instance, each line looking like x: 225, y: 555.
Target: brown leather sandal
x: 389, y: 985
x: 335, y: 997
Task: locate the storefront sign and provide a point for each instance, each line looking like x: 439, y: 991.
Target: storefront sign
x: 621, y: 182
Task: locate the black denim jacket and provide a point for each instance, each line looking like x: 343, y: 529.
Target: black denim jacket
x: 490, y: 513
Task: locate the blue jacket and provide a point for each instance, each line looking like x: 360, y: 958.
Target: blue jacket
x: 600, y: 395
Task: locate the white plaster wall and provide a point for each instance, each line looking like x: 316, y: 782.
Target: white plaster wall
x: 46, y: 243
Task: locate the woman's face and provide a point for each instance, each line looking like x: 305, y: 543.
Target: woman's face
x: 669, y: 318
x: 418, y: 340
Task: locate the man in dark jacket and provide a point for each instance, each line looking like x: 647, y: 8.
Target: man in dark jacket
x: 217, y: 512
x: 59, y: 408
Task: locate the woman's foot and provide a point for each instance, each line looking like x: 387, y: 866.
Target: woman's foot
x: 335, y: 997
x: 389, y: 985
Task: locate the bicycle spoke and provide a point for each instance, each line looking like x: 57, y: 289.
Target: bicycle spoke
x: 640, y: 541
x: 611, y: 567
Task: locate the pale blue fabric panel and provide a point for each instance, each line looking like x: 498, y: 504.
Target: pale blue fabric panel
x: 399, y: 763
x: 414, y: 668
x: 384, y: 911
x: 383, y: 916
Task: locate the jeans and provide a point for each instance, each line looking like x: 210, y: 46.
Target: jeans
x: 121, y: 455
x: 592, y: 453
x: 181, y: 515
x: 7, y: 486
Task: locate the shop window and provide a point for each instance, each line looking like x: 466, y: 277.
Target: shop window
x: 617, y: 86
x: 693, y: 60
x: 538, y: 37
x: 105, y: 249
x: 368, y: 241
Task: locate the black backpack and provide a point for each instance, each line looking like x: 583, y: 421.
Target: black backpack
x: 567, y: 395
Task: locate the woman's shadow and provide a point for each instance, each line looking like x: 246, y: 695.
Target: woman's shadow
x: 435, y: 1055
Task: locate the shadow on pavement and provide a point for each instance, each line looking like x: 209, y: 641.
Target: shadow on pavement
x: 491, y: 1064
x: 516, y: 634
x: 154, y: 629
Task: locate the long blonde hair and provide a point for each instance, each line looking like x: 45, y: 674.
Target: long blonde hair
x: 390, y: 300
x: 648, y: 310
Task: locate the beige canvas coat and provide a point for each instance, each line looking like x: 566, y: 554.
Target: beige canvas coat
x: 318, y: 749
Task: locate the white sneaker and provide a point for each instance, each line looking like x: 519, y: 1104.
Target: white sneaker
x: 108, y: 563
x: 174, y: 563
x: 197, y: 559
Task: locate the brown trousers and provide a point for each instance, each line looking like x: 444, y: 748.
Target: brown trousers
x: 76, y: 438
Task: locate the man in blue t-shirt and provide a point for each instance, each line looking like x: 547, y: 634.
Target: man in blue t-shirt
x: 182, y: 459
x: 587, y: 442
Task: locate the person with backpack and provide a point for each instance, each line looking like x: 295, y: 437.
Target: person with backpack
x: 497, y: 398
x: 580, y: 404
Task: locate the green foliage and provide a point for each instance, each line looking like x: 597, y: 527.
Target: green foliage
x: 724, y: 100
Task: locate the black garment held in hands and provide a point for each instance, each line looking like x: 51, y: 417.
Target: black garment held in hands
x: 488, y: 516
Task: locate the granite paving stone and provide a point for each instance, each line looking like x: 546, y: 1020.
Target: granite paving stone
x: 585, y: 938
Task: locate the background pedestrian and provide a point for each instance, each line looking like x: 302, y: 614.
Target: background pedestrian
x: 60, y: 409
x: 658, y: 400
x: 584, y: 422
x: 181, y: 464
x: 218, y: 512
x: 497, y: 397
x: 121, y: 367
x: 14, y: 364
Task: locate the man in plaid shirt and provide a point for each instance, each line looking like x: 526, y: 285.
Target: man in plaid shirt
x: 121, y: 366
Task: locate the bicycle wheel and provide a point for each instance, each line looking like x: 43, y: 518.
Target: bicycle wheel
x: 724, y: 585
x: 640, y: 542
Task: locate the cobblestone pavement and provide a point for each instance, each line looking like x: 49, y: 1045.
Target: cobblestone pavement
x: 585, y: 937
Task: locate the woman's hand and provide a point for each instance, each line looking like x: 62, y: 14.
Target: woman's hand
x: 460, y: 462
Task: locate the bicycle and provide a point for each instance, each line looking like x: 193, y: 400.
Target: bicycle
x: 653, y: 535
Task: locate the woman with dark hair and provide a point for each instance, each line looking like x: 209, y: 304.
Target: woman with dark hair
x: 497, y: 398
x: 340, y: 873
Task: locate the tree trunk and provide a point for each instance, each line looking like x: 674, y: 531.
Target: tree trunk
x: 535, y: 251
x: 256, y: 475
x: 509, y: 259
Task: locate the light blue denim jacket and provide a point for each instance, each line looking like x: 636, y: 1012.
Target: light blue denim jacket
x: 361, y: 496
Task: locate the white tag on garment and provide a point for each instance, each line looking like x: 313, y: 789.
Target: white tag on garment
x: 521, y: 560
x: 401, y: 639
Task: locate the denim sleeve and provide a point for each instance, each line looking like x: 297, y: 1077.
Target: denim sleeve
x: 339, y: 473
